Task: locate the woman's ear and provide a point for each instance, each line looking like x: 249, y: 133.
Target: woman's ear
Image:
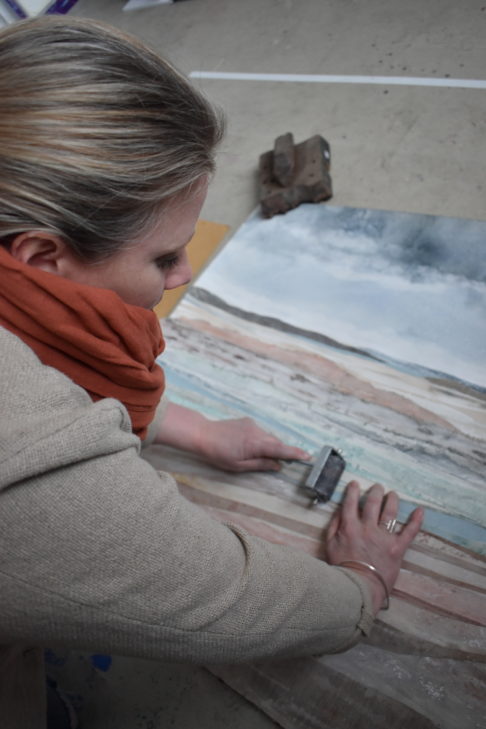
x: 40, y: 249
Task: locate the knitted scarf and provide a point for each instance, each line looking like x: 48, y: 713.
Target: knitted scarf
x: 88, y: 333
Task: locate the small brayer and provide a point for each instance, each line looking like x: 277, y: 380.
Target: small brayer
x: 323, y: 477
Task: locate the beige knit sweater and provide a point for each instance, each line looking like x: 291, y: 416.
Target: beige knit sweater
x: 100, y: 552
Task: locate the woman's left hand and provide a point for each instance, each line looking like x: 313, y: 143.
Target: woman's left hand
x: 241, y: 445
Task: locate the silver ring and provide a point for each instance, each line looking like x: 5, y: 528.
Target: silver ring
x: 389, y: 525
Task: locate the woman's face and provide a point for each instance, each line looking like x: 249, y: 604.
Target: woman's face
x: 153, y: 263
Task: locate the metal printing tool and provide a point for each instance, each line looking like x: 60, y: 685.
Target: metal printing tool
x: 324, y: 475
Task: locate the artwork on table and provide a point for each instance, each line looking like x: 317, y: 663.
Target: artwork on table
x: 366, y: 330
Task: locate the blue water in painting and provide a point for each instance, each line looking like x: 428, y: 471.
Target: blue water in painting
x: 456, y: 528
x: 410, y: 289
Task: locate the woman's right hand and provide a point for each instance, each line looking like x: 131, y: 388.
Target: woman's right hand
x: 356, y: 534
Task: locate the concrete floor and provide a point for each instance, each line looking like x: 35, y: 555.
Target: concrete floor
x: 409, y: 148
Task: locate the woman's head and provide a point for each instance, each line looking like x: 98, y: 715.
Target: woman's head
x: 98, y: 135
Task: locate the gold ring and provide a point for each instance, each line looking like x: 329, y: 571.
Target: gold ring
x: 389, y: 525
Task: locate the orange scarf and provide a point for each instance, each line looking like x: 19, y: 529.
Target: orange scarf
x: 104, y: 345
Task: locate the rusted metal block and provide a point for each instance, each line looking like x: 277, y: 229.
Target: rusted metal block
x: 292, y: 174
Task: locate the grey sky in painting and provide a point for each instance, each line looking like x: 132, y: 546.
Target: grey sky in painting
x: 410, y: 287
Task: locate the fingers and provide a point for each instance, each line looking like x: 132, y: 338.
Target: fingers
x: 389, y: 508
x: 350, y: 508
x: 262, y: 444
x: 373, y: 504
x: 411, y: 528
x: 296, y: 454
x: 378, y: 510
x: 274, y: 448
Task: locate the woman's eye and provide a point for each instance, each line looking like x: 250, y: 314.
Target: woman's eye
x: 167, y: 263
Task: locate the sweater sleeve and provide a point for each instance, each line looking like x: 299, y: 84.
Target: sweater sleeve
x: 99, y: 551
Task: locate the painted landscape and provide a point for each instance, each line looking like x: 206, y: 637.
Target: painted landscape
x: 365, y: 330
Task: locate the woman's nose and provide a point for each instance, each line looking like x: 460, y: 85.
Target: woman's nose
x: 180, y: 275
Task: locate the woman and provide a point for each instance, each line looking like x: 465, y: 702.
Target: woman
x: 105, y: 156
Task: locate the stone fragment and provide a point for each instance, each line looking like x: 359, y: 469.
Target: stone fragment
x: 291, y: 174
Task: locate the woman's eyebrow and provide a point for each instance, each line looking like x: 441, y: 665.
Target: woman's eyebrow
x: 175, y: 251
x: 179, y: 248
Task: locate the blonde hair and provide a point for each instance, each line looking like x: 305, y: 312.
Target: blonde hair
x: 96, y: 133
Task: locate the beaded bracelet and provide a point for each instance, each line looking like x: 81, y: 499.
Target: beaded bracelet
x: 370, y: 567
